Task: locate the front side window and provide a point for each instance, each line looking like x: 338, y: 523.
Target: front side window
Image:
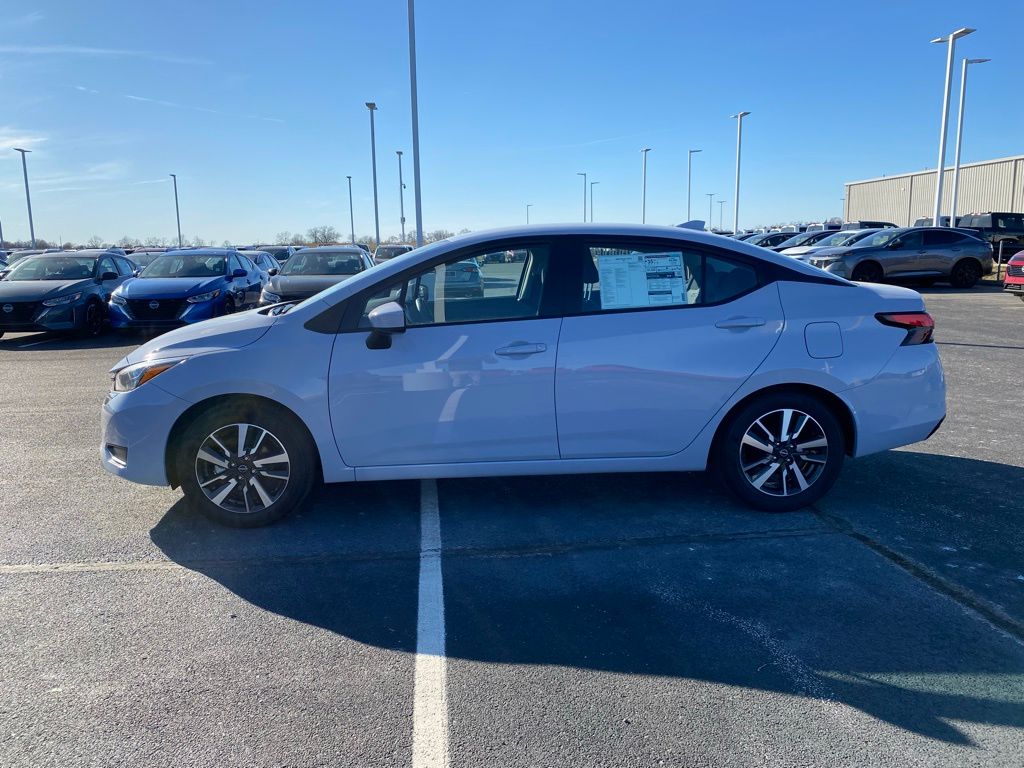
x: 473, y: 287
x: 106, y: 265
x: 643, y: 277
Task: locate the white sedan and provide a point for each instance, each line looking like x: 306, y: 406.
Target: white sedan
x: 605, y: 349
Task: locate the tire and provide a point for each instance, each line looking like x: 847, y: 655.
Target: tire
x: 268, y: 433
x: 92, y: 324
x: 739, y: 464
x: 868, y: 272
x: 229, y: 306
x: 965, y: 274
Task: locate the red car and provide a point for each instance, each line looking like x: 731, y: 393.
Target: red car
x: 1014, y: 281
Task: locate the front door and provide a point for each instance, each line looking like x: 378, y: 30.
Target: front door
x: 470, y: 380
x: 664, y: 336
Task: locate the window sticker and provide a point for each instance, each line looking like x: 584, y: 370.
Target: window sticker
x: 641, y: 280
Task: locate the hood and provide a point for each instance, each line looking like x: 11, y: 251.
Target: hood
x: 838, y: 250
x: 168, y: 287
x: 37, y: 290
x: 797, y: 250
x: 226, y: 332
x: 303, y: 286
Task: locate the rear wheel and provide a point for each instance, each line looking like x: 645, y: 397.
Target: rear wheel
x: 965, y: 274
x: 245, y: 465
x: 868, y: 272
x: 781, y: 451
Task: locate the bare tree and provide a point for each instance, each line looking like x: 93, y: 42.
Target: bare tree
x: 438, y: 234
x: 295, y: 240
x: 198, y: 242
x: 95, y: 242
x: 128, y: 242
x: 322, y: 235
x: 155, y: 242
x: 283, y: 238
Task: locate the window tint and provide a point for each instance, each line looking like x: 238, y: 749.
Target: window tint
x: 234, y: 263
x: 124, y: 266
x: 106, y: 265
x: 939, y: 237
x: 246, y: 263
x: 912, y: 240
x: 639, y: 277
x: 487, y: 285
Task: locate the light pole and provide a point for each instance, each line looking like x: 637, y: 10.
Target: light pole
x: 177, y: 212
x: 584, y: 195
x: 592, y: 199
x: 28, y: 197
x: 415, y: 124
x: 950, y: 40
x: 528, y: 207
x: 643, y: 191
x: 401, y: 193
x: 711, y: 200
x: 351, y: 215
x: 959, y: 138
x: 689, y: 162
x: 373, y: 158
x: 739, y: 142
x: 721, y: 204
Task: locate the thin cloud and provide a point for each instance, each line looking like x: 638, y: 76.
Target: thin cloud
x: 207, y: 110
x: 14, y: 137
x: 90, y: 51
x: 86, y: 90
x: 152, y: 181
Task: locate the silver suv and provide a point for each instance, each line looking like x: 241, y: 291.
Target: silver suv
x: 923, y: 254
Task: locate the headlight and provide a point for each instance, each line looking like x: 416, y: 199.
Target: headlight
x: 272, y: 298
x: 118, y: 299
x: 199, y: 298
x: 60, y: 300
x: 134, y: 376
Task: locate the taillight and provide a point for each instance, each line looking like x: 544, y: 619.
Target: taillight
x: 918, y: 325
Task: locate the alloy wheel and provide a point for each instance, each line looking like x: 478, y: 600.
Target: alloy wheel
x: 783, y: 452
x: 242, y: 468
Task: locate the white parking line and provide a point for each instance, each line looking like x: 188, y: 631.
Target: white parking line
x: 35, y: 343
x: 430, y: 698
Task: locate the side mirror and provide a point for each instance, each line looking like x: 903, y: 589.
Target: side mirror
x: 239, y: 273
x: 108, y: 276
x: 895, y: 244
x: 386, y: 320
x: 273, y: 271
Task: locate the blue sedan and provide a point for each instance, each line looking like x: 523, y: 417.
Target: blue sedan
x: 182, y: 287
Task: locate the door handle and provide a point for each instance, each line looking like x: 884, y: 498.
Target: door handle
x: 740, y: 322
x: 521, y: 349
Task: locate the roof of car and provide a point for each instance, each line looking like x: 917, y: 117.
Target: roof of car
x: 335, y: 249
x: 204, y: 251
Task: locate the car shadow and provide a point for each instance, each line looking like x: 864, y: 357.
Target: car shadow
x: 714, y: 593
x: 51, y: 341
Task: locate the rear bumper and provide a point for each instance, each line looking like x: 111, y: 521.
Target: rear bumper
x: 905, y: 403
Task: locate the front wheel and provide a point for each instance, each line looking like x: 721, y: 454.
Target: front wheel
x: 245, y: 465
x: 92, y: 323
x: 965, y: 274
x: 868, y: 272
x: 781, y: 452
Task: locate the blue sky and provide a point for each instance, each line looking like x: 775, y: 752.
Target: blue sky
x: 258, y: 107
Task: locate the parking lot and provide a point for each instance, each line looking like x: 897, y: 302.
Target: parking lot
x: 587, y: 620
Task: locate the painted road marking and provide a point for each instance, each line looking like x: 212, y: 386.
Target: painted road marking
x: 430, y: 697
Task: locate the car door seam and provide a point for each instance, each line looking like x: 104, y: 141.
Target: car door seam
x: 554, y: 386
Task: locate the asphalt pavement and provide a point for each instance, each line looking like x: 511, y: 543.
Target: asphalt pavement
x: 587, y: 620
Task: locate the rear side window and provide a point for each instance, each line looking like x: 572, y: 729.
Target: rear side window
x: 940, y: 237
x: 648, y: 277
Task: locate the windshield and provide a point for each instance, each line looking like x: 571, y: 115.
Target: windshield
x: 53, y: 268
x: 878, y: 239
x: 185, y: 265
x: 323, y: 263
x: 145, y: 258
x: 390, y: 251
x: 801, y: 239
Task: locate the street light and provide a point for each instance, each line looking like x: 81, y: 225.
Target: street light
x: 711, y: 200
x: 177, y: 212
x: 415, y: 125
x: 643, y: 193
x: 351, y: 215
x: 401, y: 193
x: 584, y: 195
x: 721, y: 203
x: 736, y: 200
x: 592, y: 199
x: 689, y: 161
x: 373, y: 157
x: 28, y: 197
x: 528, y: 207
x: 959, y: 137
x: 950, y: 40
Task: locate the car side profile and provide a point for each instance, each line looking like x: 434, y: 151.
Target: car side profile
x: 923, y: 254
x: 606, y: 349
x: 186, y: 286
x: 61, y: 292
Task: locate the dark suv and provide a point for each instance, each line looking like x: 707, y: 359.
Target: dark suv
x: 996, y: 228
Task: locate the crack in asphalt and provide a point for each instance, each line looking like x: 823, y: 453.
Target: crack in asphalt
x: 14, y: 569
x: 964, y: 597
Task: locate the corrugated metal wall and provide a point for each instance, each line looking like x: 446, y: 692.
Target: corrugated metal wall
x: 995, y: 185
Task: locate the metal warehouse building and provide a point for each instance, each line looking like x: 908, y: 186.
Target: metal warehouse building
x: 992, y: 185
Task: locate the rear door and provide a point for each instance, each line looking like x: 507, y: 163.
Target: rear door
x: 942, y: 249
x: 662, y: 334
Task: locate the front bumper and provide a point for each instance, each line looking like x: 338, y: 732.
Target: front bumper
x: 140, y: 422
x: 122, y: 317
x: 1013, y: 284
x: 40, y: 318
x: 903, y: 404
